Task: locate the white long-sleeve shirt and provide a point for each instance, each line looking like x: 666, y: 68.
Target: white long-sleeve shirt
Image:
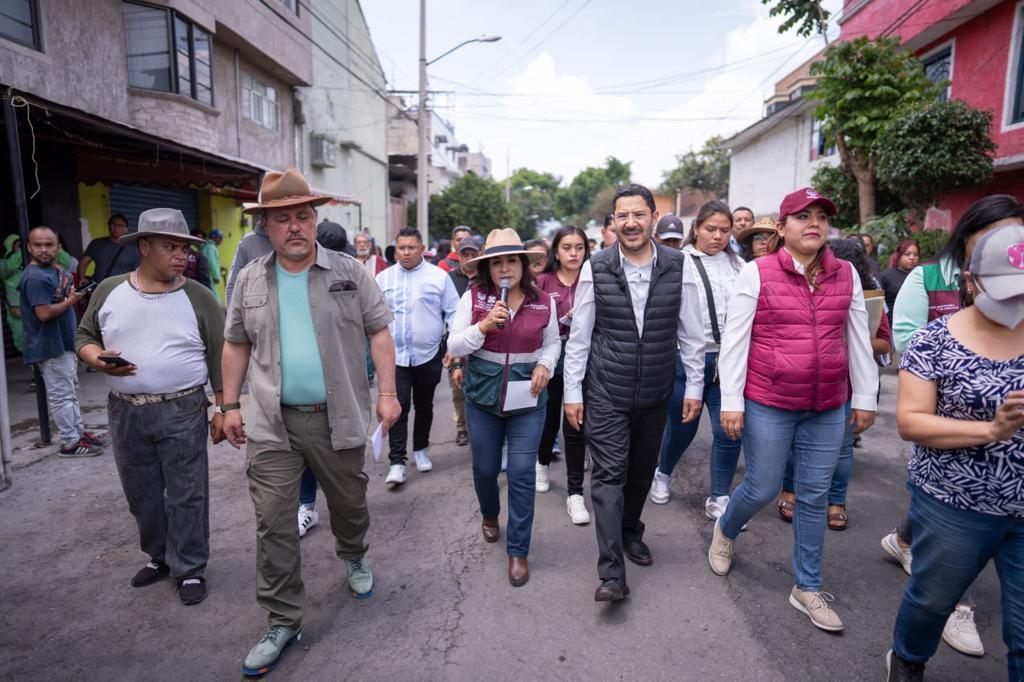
x: 423, y: 301
x: 732, y: 361
x: 690, y: 331
x: 465, y: 338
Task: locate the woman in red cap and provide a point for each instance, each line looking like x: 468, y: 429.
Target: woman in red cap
x: 796, y: 338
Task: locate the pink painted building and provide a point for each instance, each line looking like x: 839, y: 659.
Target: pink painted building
x: 975, y: 44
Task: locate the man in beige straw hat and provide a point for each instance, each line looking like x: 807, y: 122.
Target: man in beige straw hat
x: 170, y: 330
x: 297, y: 323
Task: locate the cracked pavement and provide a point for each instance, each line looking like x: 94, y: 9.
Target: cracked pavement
x: 442, y: 605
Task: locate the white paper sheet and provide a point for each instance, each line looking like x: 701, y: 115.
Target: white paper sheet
x: 377, y: 441
x: 518, y: 397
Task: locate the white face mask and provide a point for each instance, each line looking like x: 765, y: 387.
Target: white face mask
x: 363, y: 252
x: 1008, y: 313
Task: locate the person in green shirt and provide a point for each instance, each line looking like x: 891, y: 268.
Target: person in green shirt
x: 212, y: 255
x: 11, y: 267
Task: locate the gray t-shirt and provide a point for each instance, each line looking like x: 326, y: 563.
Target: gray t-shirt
x: 111, y: 259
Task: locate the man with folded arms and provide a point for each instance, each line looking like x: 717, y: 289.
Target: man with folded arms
x: 298, y: 323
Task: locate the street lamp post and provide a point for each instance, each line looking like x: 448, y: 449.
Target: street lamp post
x: 423, y: 121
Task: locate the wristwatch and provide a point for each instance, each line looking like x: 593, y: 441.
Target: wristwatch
x: 227, y: 407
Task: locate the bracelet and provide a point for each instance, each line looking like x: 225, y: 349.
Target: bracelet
x: 227, y: 407
x: 387, y: 395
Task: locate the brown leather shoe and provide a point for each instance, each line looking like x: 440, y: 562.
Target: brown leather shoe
x: 490, y: 529
x: 518, y: 571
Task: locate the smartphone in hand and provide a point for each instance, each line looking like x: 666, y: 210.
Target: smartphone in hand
x: 115, y: 360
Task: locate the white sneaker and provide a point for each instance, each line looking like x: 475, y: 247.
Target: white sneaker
x: 714, y: 507
x: 961, y: 633
x: 543, y: 481
x: 308, y: 517
x: 396, y: 475
x: 659, y: 488
x: 891, y: 545
x: 815, y: 605
x: 422, y: 458
x: 577, y: 510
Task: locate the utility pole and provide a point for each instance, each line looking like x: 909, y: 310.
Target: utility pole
x: 508, y: 175
x: 422, y: 169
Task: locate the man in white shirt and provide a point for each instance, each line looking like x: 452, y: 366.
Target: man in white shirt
x: 423, y: 299
x: 633, y: 313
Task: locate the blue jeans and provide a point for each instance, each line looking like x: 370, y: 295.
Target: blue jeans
x: 307, y: 489
x: 951, y: 547
x: 725, y: 452
x: 770, y: 434
x: 844, y: 469
x: 487, y: 434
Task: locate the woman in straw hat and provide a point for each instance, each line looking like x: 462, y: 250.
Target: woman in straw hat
x: 506, y: 329
x: 753, y: 239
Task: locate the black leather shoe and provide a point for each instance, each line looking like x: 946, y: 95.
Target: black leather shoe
x: 611, y: 590
x: 637, y: 552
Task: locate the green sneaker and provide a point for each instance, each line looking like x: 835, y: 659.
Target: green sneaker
x: 265, y: 655
x: 360, y: 579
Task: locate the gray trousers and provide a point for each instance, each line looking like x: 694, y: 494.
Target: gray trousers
x: 160, y: 452
x: 274, y: 475
x: 60, y: 376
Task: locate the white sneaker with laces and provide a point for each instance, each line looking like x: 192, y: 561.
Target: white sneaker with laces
x: 577, y: 510
x: 396, y: 475
x: 815, y: 605
x: 543, y: 479
x: 714, y: 507
x: 422, y: 457
x: 308, y: 517
x: 890, y: 543
x: 961, y: 633
x: 659, y: 488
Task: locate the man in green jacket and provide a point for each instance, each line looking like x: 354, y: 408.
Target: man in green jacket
x: 11, y: 267
x: 212, y: 255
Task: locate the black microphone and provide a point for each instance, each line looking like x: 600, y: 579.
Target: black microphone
x: 505, y: 283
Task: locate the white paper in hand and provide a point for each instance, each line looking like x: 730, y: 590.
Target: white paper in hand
x: 377, y: 441
x: 518, y: 397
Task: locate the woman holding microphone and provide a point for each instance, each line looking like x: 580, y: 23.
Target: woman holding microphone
x: 506, y: 329
x: 796, y: 338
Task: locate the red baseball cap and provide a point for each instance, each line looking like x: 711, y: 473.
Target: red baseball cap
x: 794, y: 202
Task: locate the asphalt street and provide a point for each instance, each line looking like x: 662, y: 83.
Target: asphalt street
x: 443, y: 607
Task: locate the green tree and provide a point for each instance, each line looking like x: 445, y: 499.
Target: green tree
x: 706, y: 169
x: 575, y: 200
x: 862, y: 85
x: 838, y: 184
x: 808, y: 16
x: 928, y: 152
x: 534, y: 199
x: 470, y: 200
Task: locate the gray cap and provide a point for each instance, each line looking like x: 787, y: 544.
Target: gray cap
x: 670, y: 227
x: 998, y: 262
x: 162, y: 222
x: 471, y: 242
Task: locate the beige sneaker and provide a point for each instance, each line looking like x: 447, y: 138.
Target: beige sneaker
x: 720, y: 552
x: 815, y: 606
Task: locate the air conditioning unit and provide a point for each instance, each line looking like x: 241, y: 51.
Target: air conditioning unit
x: 323, y: 151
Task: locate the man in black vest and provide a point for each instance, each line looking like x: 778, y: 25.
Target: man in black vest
x: 627, y: 328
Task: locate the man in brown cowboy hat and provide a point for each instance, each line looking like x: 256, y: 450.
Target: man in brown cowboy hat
x: 298, y: 322
x: 170, y: 330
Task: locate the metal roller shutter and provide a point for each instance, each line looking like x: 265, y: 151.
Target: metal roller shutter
x: 131, y: 200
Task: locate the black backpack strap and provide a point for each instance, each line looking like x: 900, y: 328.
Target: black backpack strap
x: 715, y: 332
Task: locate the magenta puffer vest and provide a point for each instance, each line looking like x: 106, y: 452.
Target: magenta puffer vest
x: 797, y: 346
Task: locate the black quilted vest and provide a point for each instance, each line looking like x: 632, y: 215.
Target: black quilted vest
x: 623, y: 368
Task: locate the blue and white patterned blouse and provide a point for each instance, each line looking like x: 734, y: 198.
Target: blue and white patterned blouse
x: 985, y: 478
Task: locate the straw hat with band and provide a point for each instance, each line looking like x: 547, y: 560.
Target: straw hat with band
x: 505, y: 242
x: 279, y: 190
x: 162, y: 222
x: 763, y: 226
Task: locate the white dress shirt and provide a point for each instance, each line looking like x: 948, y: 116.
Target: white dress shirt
x: 467, y: 339
x: 423, y: 300
x: 732, y: 361
x: 690, y: 332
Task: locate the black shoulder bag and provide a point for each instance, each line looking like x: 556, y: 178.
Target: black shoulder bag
x: 715, y: 332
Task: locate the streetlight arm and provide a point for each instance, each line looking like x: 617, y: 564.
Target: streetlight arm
x: 485, y: 39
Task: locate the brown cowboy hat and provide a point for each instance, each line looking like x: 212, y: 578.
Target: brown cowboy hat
x: 765, y: 225
x: 284, y: 189
x: 503, y: 242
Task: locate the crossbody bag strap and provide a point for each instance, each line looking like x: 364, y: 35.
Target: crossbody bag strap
x: 711, y: 299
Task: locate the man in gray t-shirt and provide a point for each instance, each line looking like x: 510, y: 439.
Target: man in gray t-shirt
x: 109, y: 254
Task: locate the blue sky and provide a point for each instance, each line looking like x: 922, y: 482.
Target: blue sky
x: 574, y: 81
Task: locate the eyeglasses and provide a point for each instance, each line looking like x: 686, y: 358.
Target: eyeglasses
x: 759, y: 238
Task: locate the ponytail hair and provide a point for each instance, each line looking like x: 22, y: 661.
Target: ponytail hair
x: 708, y: 209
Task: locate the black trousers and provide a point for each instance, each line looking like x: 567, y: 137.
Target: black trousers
x: 415, y: 388
x: 575, y: 449
x: 624, y: 446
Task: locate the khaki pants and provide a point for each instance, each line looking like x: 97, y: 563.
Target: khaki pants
x: 274, y: 476
x: 459, y: 401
